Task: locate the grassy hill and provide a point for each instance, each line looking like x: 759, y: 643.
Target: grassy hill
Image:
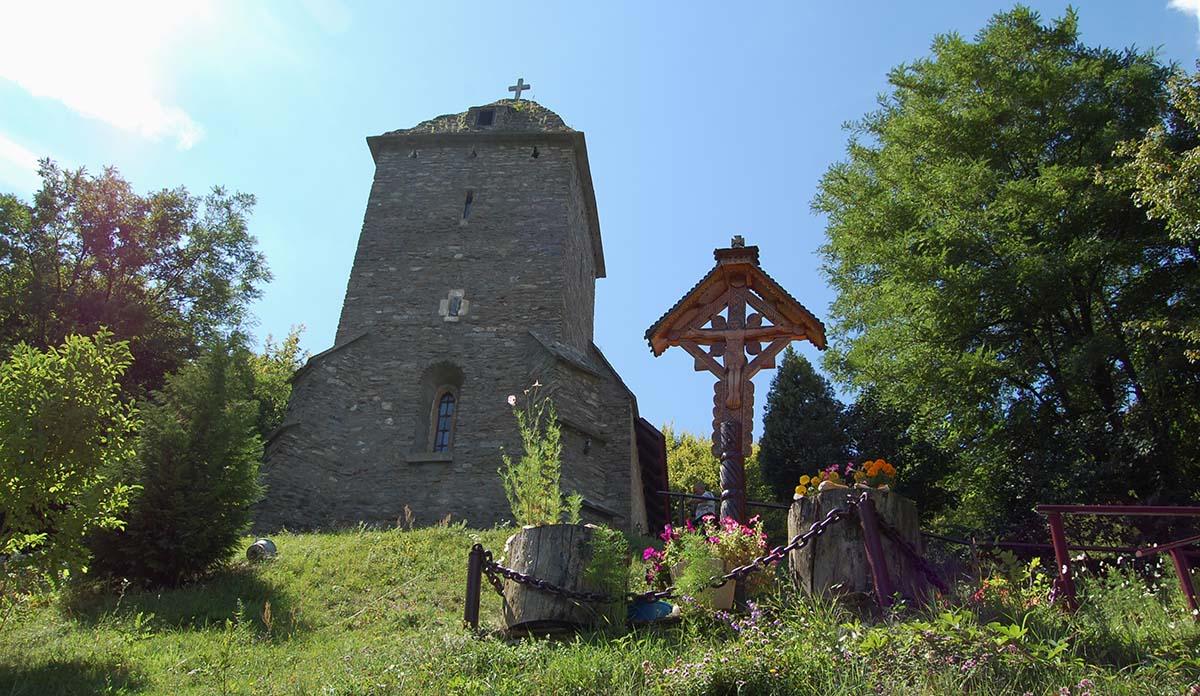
x: 361, y: 612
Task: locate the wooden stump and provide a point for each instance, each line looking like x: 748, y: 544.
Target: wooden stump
x: 558, y: 554
x: 836, y: 561
x: 711, y: 597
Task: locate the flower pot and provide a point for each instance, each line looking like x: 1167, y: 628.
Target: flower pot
x: 712, y: 597
x: 558, y: 554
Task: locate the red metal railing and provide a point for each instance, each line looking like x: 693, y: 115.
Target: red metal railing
x: 1065, y: 584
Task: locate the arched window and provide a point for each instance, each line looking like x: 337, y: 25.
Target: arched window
x: 444, y: 421
x: 436, y: 423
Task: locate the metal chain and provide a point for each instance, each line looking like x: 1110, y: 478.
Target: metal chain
x: 491, y: 574
x: 776, y: 554
x: 921, y: 562
x: 495, y: 571
x: 798, y: 542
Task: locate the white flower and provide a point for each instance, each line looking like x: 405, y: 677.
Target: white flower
x: 512, y: 400
x: 536, y: 384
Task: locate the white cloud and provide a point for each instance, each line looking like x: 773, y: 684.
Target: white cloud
x: 331, y: 15
x: 1191, y: 7
x: 104, y: 60
x: 18, y: 165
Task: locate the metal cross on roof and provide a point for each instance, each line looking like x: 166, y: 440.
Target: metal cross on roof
x: 519, y: 87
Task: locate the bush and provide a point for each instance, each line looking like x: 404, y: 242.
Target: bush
x: 198, y: 458
x: 64, y: 437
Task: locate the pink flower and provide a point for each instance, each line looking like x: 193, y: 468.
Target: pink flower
x: 688, y: 525
x: 650, y: 552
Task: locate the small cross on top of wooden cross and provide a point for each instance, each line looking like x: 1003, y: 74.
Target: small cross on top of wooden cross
x: 519, y: 87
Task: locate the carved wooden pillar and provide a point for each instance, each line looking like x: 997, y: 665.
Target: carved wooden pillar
x: 733, y: 472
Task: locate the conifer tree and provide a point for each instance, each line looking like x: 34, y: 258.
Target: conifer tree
x: 198, y: 453
x: 803, y: 426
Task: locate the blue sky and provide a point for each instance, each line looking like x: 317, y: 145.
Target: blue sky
x: 703, y: 120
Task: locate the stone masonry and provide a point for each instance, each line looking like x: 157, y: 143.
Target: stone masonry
x: 475, y: 274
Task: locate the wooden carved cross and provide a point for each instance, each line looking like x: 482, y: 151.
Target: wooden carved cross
x: 734, y: 322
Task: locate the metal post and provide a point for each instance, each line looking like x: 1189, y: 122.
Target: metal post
x: 879, y: 571
x: 474, y: 584
x: 733, y: 472
x: 1058, y: 539
x: 1184, y: 570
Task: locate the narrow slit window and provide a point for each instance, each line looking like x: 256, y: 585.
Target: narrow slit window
x: 467, y: 205
x: 445, y: 422
x: 535, y: 152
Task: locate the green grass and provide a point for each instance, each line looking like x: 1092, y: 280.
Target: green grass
x: 362, y: 612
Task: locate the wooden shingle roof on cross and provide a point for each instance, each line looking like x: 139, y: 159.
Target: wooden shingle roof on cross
x: 734, y: 322
x: 767, y: 296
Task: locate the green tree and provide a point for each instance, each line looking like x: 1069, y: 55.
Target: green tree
x: 877, y: 431
x: 65, y: 436
x: 690, y: 459
x: 987, y: 279
x: 165, y: 271
x: 198, y: 456
x: 1162, y: 173
x: 803, y: 426
x: 273, y: 370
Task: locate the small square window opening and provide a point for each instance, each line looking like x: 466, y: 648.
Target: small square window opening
x: 485, y: 117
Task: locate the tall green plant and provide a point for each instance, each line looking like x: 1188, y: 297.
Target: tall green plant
x: 65, y: 435
x: 531, y: 483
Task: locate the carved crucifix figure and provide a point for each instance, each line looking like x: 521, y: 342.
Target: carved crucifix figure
x: 734, y: 322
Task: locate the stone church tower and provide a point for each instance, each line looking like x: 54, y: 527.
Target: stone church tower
x: 475, y: 276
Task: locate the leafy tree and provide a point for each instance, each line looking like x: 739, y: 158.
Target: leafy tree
x: 690, y: 459
x: 1162, y: 173
x: 273, y: 370
x: 803, y: 425
x: 198, y: 456
x: 876, y: 431
x: 65, y: 435
x: 987, y: 278
x: 165, y: 271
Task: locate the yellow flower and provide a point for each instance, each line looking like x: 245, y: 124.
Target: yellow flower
x: 800, y: 489
x: 804, y: 479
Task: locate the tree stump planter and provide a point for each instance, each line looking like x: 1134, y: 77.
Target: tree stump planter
x: 836, y: 562
x: 712, y: 597
x: 560, y: 555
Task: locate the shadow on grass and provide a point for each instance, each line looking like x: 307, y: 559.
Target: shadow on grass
x: 68, y: 677
x: 236, y: 593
